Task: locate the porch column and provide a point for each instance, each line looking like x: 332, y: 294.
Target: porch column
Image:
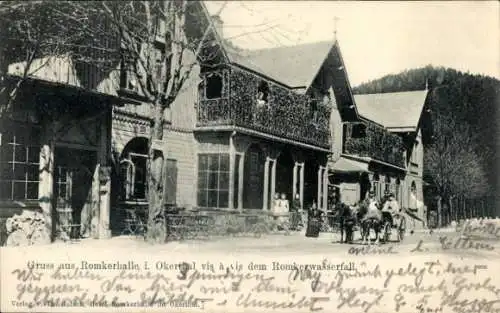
x: 45, y: 187
x: 301, y: 185
x: 318, y: 196
x: 325, y: 188
x: 104, y: 181
x: 294, y: 188
x: 232, y: 170
x: 240, y: 181
x: 273, y: 178
x: 266, y: 185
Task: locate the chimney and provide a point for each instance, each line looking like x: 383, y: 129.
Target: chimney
x: 218, y: 24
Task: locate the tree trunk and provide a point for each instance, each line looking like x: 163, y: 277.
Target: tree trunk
x: 156, y: 225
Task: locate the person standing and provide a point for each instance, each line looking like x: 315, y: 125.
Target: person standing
x: 313, y: 221
x: 295, y: 213
x: 284, y: 208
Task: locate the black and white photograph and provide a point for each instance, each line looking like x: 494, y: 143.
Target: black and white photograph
x: 249, y: 156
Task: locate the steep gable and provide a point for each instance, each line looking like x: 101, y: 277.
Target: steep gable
x: 397, y: 111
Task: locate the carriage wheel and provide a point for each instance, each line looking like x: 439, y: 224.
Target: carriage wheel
x: 401, y: 234
x: 387, y: 232
x: 401, y: 229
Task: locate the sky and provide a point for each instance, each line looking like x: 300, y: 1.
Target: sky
x: 376, y: 38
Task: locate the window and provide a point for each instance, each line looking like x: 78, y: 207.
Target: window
x: 314, y: 111
x: 133, y: 170
x: 358, y: 131
x: 19, y: 167
x: 213, y: 180
x: 262, y: 93
x: 414, y: 153
x: 158, y: 65
x: 397, y: 192
x: 213, y: 86
x: 413, y: 187
x: 128, y: 75
x: 387, y: 185
x: 171, y: 182
x: 375, y: 184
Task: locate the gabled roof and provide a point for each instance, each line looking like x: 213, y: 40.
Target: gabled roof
x: 293, y: 66
x: 397, y: 110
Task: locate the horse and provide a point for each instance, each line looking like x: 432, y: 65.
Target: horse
x: 347, y: 220
x: 369, y: 223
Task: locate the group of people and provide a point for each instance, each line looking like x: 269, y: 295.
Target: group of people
x: 286, y: 213
x: 385, y: 210
x: 294, y: 215
x: 376, y: 210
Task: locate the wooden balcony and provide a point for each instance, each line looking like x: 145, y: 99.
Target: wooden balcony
x: 291, y: 124
x: 285, y: 114
x: 376, y: 143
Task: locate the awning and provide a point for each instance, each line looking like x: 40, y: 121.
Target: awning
x: 344, y: 165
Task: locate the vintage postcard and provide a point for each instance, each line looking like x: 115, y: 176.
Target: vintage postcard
x: 249, y: 156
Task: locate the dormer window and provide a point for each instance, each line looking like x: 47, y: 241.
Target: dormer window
x: 213, y: 86
x: 358, y: 131
x: 314, y: 111
x: 128, y: 75
x: 262, y: 93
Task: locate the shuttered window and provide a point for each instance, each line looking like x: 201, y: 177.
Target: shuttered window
x: 171, y: 182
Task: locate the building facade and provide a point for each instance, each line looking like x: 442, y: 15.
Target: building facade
x: 383, y: 152
x: 246, y: 125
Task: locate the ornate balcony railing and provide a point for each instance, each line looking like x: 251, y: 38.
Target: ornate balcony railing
x: 286, y: 114
x: 377, y: 143
x: 214, y: 112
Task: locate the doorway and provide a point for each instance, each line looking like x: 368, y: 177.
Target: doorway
x: 75, y: 203
x: 254, y: 178
x: 284, y: 174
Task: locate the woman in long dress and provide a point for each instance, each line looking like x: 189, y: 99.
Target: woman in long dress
x: 295, y: 214
x: 313, y: 221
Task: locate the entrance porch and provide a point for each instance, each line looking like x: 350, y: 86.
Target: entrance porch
x: 261, y: 169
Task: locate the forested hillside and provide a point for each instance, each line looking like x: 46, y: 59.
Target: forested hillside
x: 468, y: 103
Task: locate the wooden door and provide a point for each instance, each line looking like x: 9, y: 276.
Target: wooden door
x: 75, y: 199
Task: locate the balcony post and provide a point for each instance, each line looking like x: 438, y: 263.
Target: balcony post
x: 266, y: 185
x: 232, y: 170
x: 301, y: 185
x: 273, y: 178
x: 325, y: 187
x: 294, y: 188
x: 241, y: 173
x: 320, y: 179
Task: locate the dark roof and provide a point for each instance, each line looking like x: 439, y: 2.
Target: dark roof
x: 294, y: 66
x: 394, y: 109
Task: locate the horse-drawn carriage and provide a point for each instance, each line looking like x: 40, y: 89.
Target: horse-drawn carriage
x: 347, y: 218
x: 398, y: 224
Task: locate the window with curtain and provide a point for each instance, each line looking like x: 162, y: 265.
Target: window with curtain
x: 213, y: 180
x: 133, y: 177
x: 19, y: 166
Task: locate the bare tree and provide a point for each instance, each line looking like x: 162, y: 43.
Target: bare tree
x: 160, y: 45
x: 34, y: 33
x: 453, y: 163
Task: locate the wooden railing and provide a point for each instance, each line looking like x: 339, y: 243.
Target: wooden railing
x: 216, y: 112
x: 378, y: 144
